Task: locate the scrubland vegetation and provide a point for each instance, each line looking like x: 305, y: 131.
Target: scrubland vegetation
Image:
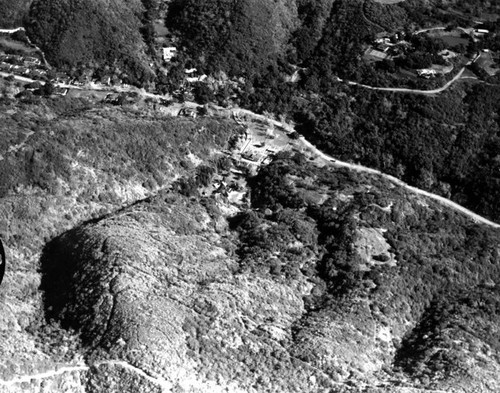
x: 443, y: 264
x: 433, y: 293
x: 64, y: 151
x: 303, y: 226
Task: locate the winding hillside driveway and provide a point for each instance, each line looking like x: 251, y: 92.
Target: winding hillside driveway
x: 411, y: 91
x: 369, y: 21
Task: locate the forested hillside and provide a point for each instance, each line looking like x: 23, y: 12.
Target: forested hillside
x: 98, y: 35
x: 156, y: 241
x: 241, y: 38
x: 444, y: 143
x: 13, y: 13
x: 447, y: 144
x: 328, y: 280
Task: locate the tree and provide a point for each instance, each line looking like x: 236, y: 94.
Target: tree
x: 202, y: 93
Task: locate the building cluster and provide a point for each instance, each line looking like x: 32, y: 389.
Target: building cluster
x: 27, y: 66
x: 387, y: 46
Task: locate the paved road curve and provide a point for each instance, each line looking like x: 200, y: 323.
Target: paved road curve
x: 356, y: 167
x: 406, y: 90
x: 361, y: 168
x: 442, y: 200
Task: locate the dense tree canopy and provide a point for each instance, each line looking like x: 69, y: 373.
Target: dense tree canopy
x: 91, y: 33
x: 239, y: 37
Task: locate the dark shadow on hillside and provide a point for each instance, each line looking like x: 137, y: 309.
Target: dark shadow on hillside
x: 456, y: 316
x: 59, y: 264
x: 69, y: 268
x: 74, y: 284
x: 2, y: 261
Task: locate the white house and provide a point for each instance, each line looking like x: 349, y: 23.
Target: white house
x: 480, y: 32
x: 169, y: 52
x: 426, y: 72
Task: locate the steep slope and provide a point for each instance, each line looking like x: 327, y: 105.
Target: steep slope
x: 63, y: 162
x: 330, y: 285
x: 93, y: 34
x: 239, y: 38
x: 13, y: 13
x: 325, y: 280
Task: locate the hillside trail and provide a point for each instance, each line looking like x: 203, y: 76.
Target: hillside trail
x: 163, y: 384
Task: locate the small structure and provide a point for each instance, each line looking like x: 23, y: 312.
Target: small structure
x: 250, y: 156
x: 374, y: 55
x: 169, y: 52
x: 106, y: 80
x: 442, y: 69
x: 385, y: 40
x: 194, y: 79
x: 20, y: 70
x: 447, y: 54
x: 37, y: 73
x: 426, y: 73
x: 60, y: 91
x: 480, y: 32
x: 32, y: 61
x: 33, y: 86
x: 188, y: 112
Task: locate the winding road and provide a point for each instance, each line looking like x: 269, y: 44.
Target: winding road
x: 406, y: 90
x: 237, y: 112
x: 360, y: 168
